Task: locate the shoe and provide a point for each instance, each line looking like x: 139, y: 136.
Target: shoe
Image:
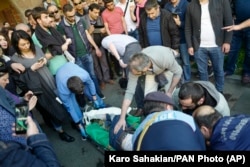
x: 65, y: 137
x: 102, y: 85
x: 111, y: 82
x: 138, y: 113
x: 245, y: 79
x: 84, y: 138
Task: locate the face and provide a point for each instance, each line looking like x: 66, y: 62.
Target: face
x: 94, y: 14
x: 44, y: 21
x: 187, y: 105
x: 4, y: 80
x: 110, y: 6
x: 70, y: 16
x: 54, y: 11
x: 153, y: 13
x: 24, y: 45
x: 31, y: 21
x: 79, y: 5
x: 3, y: 42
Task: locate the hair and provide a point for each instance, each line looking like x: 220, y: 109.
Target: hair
x: 207, y: 120
x: 94, y: 6
x: 3, y: 67
x: 20, y: 34
x: 67, y: 8
x: 52, y: 5
x: 107, y: 1
x: 153, y: 106
x: 191, y: 90
x: 6, y: 38
x: 28, y: 12
x: 75, y: 85
x: 150, y: 4
x: 139, y: 61
x: 37, y: 12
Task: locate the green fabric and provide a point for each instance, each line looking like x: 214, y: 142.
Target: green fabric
x: 56, y: 62
x: 101, y: 135
x: 80, y: 47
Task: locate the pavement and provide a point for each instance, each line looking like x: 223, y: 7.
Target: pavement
x: 84, y: 153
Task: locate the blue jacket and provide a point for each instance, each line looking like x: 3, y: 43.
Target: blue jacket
x: 231, y: 133
x: 68, y: 98
x: 38, y: 153
x: 171, y: 130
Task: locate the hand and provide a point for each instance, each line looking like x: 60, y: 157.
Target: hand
x: 225, y: 48
x: 231, y: 28
x: 28, y: 95
x: 191, y: 51
x: 98, y: 52
x: 120, y: 124
x: 68, y: 41
x: 18, y: 67
x: 38, y: 65
x: 32, y: 128
x: 32, y: 102
x: 177, y: 20
x: 122, y: 64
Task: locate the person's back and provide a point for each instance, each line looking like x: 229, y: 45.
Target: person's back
x: 167, y: 131
x: 231, y: 133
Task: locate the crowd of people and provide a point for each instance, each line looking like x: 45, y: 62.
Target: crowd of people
x: 65, y: 55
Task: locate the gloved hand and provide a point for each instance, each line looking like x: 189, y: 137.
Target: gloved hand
x: 99, y: 103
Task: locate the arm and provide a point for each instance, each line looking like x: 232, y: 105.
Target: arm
x: 124, y: 25
x: 116, y: 54
x: 92, y: 42
x: 107, y: 28
x: 132, y: 15
x: 240, y: 26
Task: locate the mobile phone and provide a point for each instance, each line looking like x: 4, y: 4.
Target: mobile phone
x: 40, y: 60
x: 21, y: 114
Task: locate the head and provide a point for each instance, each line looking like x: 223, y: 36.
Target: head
x: 4, y: 73
x: 24, y: 27
x: 156, y: 102
x: 6, y: 24
x: 69, y: 13
x: 152, y: 9
x: 94, y: 11
x: 4, y: 44
x: 191, y: 96
x: 109, y: 4
x: 79, y: 4
x: 22, y: 42
x: 75, y: 85
x: 54, y: 11
x: 31, y: 20
x: 139, y: 64
x: 206, y: 117
x: 8, y: 32
x: 53, y: 21
x: 41, y: 16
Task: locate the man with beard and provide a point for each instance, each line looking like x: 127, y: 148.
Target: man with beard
x: 191, y: 95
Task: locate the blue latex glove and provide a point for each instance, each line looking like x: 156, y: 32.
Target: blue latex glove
x: 99, y: 103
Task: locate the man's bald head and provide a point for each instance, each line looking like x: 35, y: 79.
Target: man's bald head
x: 203, y: 110
x: 24, y: 27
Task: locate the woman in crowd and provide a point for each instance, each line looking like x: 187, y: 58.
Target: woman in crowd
x: 38, y: 79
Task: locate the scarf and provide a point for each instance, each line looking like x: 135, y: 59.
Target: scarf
x: 137, y: 12
x: 51, y: 40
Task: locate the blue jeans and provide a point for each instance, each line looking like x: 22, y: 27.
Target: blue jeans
x: 86, y: 62
x: 217, y: 57
x: 238, y: 38
x: 134, y: 34
x: 185, y: 62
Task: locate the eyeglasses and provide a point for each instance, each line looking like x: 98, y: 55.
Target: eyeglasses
x: 77, y: 3
x: 55, y: 12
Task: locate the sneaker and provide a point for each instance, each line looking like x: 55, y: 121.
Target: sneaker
x: 65, y: 137
x: 210, y: 71
x: 84, y: 138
